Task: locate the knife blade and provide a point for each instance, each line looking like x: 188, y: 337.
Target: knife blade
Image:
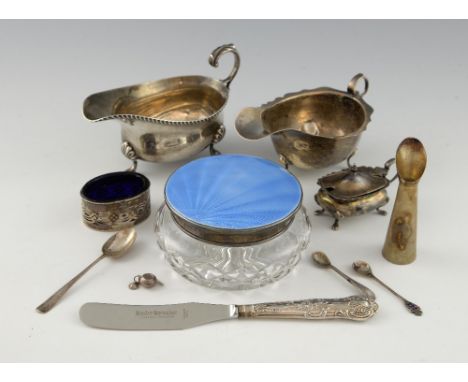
x: 154, y: 317
x: 188, y: 315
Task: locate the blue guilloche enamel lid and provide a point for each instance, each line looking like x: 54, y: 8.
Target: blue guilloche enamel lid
x: 115, y: 186
x: 233, y: 192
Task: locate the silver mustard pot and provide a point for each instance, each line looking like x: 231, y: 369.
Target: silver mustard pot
x: 353, y: 191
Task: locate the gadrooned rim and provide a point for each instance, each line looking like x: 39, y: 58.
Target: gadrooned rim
x: 135, y: 117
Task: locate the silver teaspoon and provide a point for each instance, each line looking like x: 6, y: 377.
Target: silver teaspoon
x: 365, y: 269
x: 322, y: 259
x: 116, y: 246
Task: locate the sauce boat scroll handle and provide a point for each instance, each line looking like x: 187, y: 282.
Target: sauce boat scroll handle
x: 217, y: 53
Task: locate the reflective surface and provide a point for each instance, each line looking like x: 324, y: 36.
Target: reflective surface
x: 186, y: 103
x: 311, y: 128
x: 170, y: 119
x: 154, y: 317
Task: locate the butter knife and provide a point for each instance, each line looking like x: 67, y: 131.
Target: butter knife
x: 188, y: 315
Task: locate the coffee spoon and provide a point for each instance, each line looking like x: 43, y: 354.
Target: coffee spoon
x: 116, y: 246
x: 322, y: 259
x: 364, y: 269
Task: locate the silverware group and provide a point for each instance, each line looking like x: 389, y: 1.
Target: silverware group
x: 176, y: 118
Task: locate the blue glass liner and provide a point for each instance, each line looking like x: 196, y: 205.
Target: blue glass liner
x: 115, y: 186
x: 233, y: 192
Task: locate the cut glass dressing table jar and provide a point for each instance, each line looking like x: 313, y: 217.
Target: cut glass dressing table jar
x: 232, y: 221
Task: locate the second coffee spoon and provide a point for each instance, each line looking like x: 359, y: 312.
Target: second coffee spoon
x: 364, y: 269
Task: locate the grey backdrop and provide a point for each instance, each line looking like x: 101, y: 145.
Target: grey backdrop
x: 418, y: 76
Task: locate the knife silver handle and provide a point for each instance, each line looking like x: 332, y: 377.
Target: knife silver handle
x: 353, y: 308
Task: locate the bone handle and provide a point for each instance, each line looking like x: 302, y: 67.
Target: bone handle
x: 400, y: 243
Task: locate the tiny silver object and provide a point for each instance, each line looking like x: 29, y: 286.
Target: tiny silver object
x: 147, y: 280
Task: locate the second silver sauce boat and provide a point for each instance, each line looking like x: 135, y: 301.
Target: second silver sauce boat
x: 311, y: 128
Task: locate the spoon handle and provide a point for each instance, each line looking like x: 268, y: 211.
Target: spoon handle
x: 411, y: 306
x: 366, y: 291
x: 52, y: 300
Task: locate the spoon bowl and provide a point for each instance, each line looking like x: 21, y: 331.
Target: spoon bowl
x: 119, y: 243
x: 321, y: 259
x: 411, y: 160
x: 362, y: 268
